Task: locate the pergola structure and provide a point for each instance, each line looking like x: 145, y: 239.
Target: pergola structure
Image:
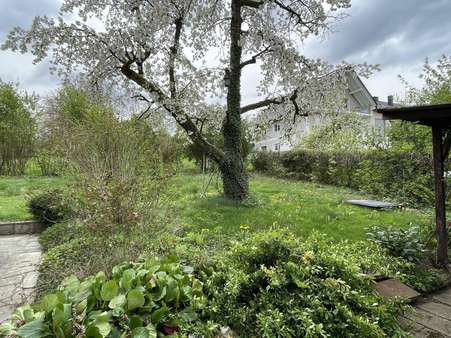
x: 438, y: 117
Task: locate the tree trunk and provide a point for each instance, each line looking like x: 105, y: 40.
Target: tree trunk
x: 234, y: 176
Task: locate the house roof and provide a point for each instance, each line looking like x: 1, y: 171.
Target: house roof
x: 425, y: 114
x: 358, y: 90
x: 383, y: 104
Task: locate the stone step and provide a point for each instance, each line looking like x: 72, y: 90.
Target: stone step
x: 392, y: 288
x: 20, y: 227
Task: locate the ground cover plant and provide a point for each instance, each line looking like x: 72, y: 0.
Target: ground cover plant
x: 261, y: 285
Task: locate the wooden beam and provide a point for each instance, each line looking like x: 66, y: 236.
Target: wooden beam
x: 440, y: 213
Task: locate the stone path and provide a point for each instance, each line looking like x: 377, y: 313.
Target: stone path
x: 432, y: 316
x: 20, y: 256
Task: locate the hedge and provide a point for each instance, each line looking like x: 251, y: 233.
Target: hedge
x: 402, y: 176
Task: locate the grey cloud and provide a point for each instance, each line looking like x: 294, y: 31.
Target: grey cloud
x: 389, y: 32
x: 22, y: 12
x: 16, y: 67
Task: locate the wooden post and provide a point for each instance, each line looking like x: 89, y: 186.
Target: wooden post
x: 440, y: 213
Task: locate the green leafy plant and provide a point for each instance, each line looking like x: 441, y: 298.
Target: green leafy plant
x: 276, y: 285
x: 407, y: 243
x: 146, y: 299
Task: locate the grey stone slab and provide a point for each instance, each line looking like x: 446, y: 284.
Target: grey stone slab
x: 20, y: 227
x: 6, y: 229
x: 30, y: 279
x: 373, y: 204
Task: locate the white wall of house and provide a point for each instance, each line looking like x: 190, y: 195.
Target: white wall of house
x: 359, y: 100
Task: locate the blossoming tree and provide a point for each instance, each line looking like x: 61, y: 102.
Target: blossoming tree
x: 182, y: 54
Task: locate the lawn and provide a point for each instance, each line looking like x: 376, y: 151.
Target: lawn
x: 299, y: 206
x: 302, y: 207
x: 14, y: 192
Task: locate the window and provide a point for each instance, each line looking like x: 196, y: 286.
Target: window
x: 277, y: 147
x: 277, y: 127
x: 264, y: 148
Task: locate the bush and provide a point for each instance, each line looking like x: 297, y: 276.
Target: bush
x: 403, y: 176
x: 407, y: 243
x: 274, y: 284
x: 118, y: 170
x: 49, y: 163
x: 50, y: 207
x: 145, y: 299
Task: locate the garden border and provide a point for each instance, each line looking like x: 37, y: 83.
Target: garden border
x: 20, y: 227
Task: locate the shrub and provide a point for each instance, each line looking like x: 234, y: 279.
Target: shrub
x: 403, y: 176
x: 145, y: 299
x: 49, y: 163
x: 274, y: 284
x: 118, y: 170
x: 51, y: 206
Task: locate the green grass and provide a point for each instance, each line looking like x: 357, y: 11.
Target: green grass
x: 302, y: 207
x: 14, y: 192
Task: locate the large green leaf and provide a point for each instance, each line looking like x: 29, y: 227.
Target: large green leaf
x: 49, y: 302
x: 109, y: 290
x: 145, y: 332
x: 159, y: 314
x: 135, y: 299
x: 126, y: 281
x: 71, y: 285
x: 34, y: 329
x: 117, y: 302
x: 135, y: 321
x: 172, y: 291
x: 6, y: 329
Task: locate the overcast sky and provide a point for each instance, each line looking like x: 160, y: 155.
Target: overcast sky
x: 396, y: 34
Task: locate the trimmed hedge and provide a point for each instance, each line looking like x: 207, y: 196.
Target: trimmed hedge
x: 405, y: 177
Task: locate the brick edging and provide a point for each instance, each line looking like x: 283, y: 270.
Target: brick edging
x: 20, y: 227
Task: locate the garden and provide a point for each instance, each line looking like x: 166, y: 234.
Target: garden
x: 143, y: 243
x: 160, y: 217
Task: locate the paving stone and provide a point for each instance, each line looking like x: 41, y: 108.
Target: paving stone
x: 443, y: 297
x: 30, y: 280
x: 20, y: 256
x: 435, y: 308
x: 391, y: 288
x: 431, y: 321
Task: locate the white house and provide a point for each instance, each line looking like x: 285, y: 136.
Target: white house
x: 359, y: 100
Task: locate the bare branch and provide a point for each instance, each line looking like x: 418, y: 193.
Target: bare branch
x: 252, y: 3
x: 254, y: 58
x: 262, y: 104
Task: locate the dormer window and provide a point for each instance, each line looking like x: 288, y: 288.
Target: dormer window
x: 277, y: 127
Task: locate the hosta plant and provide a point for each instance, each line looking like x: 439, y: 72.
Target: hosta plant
x: 407, y: 243
x: 150, y: 298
